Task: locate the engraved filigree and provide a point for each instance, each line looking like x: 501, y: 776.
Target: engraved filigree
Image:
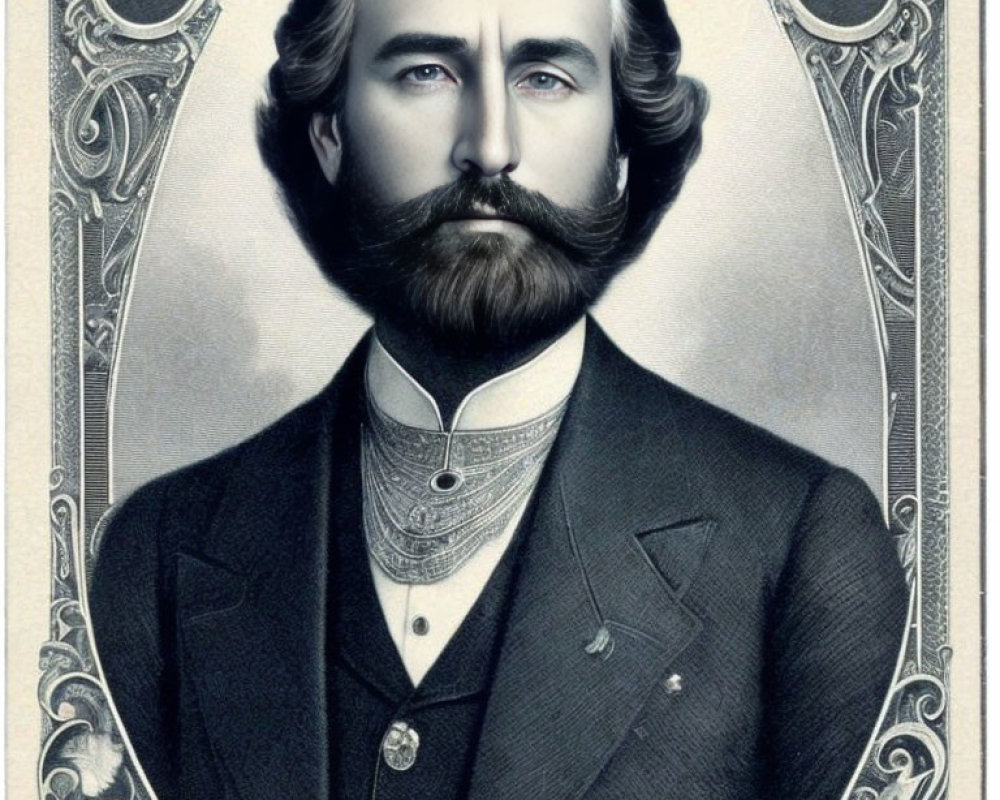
x: 910, y: 757
x: 869, y: 94
x: 432, y: 499
x: 798, y: 12
x: 115, y: 88
x: 111, y: 133
x: 82, y: 755
x: 872, y: 89
x: 65, y: 515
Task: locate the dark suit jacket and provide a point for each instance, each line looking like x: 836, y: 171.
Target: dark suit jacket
x: 753, y: 576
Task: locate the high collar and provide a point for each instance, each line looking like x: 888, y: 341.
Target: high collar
x: 509, y: 399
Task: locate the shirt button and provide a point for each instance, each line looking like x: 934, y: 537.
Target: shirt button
x: 420, y: 626
x: 399, y: 746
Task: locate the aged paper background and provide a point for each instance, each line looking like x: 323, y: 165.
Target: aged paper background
x: 28, y: 557
x: 28, y: 387
x: 964, y: 392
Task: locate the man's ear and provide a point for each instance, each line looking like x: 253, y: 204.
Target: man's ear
x: 324, y: 136
x: 622, y: 182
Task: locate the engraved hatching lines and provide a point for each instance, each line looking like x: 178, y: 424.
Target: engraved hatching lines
x: 129, y: 104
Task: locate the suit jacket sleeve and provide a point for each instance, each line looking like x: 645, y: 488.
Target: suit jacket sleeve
x: 130, y: 607
x: 838, y: 617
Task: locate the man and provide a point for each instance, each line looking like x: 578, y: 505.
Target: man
x: 494, y: 558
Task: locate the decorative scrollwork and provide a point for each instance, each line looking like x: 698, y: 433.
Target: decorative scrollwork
x: 868, y: 93
x: 871, y: 83
x: 826, y: 27
x: 113, y: 128
x: 65, y: 515
x: 82, y: 755
x: 115, y: 91
x: 155, y: 20
x: 910, y: 757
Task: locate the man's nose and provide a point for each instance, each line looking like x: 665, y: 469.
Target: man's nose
x: 487, y: 142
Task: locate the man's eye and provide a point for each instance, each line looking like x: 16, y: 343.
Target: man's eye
x: 544, y: 82
x: 426, y: 73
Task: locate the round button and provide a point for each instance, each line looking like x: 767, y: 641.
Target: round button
x: 446, y: 481
x: 420, y: 626
x: 399, y: 746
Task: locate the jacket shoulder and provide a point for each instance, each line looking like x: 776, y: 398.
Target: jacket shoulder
x: 765, y: 487
x: 186, y: 498
x: 713, y: 438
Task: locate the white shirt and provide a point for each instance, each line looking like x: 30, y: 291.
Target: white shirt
x: 509, y: 399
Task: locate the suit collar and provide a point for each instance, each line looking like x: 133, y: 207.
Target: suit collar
x: 599, y: 614
x: 509, y: 399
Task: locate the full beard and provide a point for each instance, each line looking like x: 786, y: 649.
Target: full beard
x: 477, y: 290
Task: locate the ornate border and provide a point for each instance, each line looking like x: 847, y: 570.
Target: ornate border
x: 822, y: 29
x: 115, y: 88
x: 149, y: 31
x: 882, y: 97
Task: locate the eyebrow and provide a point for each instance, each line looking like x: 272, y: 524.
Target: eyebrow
x: 552, y: 49
x: 408, y: 44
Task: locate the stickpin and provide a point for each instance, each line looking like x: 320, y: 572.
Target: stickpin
x: 603, y: 644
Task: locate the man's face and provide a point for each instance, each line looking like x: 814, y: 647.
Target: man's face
x: 441, y: 88
x: 474, y: 166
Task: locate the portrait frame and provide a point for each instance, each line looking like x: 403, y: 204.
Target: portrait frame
x: 109, y: 73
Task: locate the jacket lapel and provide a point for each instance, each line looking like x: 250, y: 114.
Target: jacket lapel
x: 598, y: 612
x: 252, y: 603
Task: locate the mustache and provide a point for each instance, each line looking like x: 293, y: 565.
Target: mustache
x: 588, y: 232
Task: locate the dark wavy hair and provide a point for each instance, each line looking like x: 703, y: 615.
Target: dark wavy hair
x: 658, y: 113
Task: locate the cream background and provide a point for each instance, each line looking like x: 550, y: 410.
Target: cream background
x: 967, y: 535
x: 751, y: 293
x: 28, y: 453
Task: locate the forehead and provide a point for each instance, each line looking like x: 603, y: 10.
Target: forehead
x: 478, y: 21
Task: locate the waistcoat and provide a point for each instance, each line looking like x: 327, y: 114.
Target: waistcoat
x: 388, y: 739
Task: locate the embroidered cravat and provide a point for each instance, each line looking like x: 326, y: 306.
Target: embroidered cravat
x: 431, y: 499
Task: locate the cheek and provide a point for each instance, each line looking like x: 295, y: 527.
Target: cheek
x: 401, y: 147
x: 564, y: 155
